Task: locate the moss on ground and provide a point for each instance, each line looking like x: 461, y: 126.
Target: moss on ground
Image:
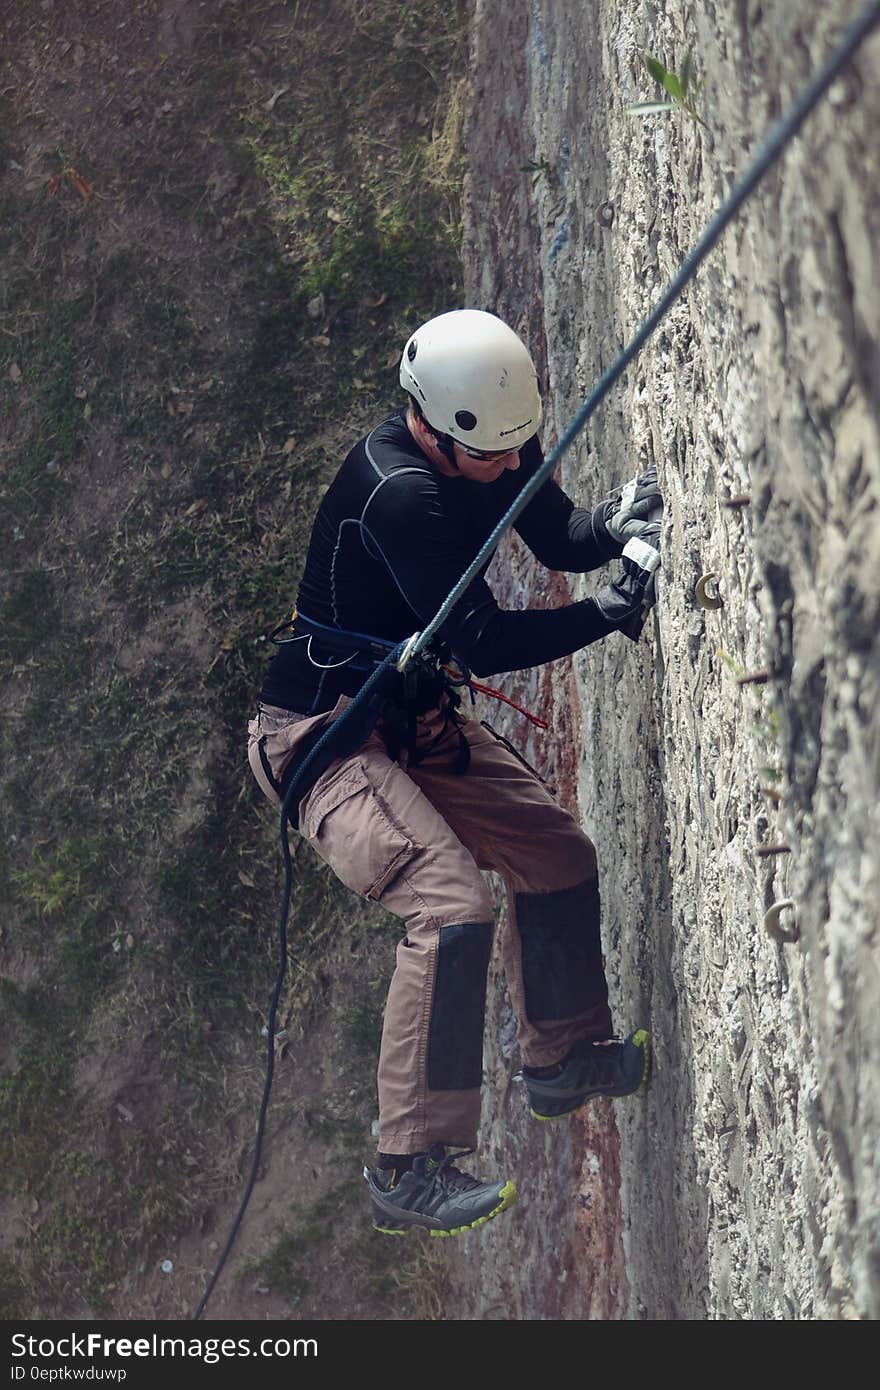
x: 213, y: 244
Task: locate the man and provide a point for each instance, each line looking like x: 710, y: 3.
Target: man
x: 432, y: 798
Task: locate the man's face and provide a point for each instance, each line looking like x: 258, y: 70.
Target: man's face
x: 484, y: 470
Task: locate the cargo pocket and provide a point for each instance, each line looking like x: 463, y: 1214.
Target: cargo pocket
x: 350, y: 826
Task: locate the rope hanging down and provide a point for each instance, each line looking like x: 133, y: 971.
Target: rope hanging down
x: 334, y: 735
x: 768, y: 153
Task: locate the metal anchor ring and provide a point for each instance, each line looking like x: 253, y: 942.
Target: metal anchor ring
x: 703, y: 597
x: 771, y: 923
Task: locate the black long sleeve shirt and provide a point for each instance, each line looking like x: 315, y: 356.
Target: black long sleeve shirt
x: 393, y: 535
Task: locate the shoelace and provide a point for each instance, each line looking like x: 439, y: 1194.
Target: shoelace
x: 599, y: 1060
x: 446, y: 1174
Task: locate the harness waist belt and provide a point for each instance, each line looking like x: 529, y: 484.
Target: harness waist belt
x: 359, y: 650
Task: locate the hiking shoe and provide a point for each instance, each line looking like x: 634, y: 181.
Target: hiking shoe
x: 614, y: 1068
x: 435, y: 1196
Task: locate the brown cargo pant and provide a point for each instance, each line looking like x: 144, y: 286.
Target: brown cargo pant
x: 415, y: 838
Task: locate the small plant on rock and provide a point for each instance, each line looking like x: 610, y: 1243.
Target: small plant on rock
x: 682, y: 89
x: 538, y: 168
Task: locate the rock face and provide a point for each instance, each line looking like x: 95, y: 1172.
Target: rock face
x: 746, y: 1184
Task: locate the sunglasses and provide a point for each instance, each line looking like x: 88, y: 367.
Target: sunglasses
x: 485, y: 455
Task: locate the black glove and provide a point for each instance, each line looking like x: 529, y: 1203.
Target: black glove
x: 627, y: 511
x: 633, y: 626
x: 626, y: 601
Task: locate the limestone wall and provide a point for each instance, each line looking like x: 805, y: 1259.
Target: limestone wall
x: 748, y: 1179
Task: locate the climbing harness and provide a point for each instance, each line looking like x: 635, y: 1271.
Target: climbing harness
x: 421, y: 684
x: 346, y: 733
x: 358, y: 650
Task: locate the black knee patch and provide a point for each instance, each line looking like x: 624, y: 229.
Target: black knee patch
x: 458, y: 1007
x: 562, y: 968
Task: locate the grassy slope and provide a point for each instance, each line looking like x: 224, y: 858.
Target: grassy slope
x: 218, y: 223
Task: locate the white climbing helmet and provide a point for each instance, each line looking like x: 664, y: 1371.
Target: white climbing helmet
x: 474, y: 379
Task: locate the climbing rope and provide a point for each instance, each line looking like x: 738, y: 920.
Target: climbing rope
x: 769, y: 151
x: 335, y: 736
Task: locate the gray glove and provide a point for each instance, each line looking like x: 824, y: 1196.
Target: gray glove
x: 627, y: 512
x: 625, y: 602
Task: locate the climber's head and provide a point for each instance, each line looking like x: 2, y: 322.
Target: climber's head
x: 475, y: 385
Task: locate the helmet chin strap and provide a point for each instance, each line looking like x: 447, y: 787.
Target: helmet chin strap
x: 445, y: 444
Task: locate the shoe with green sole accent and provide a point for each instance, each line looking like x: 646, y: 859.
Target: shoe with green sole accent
x: 434, y: 1196
x: 618, y: 1067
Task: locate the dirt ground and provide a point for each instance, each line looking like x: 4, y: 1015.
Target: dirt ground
x: 219, y: 222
